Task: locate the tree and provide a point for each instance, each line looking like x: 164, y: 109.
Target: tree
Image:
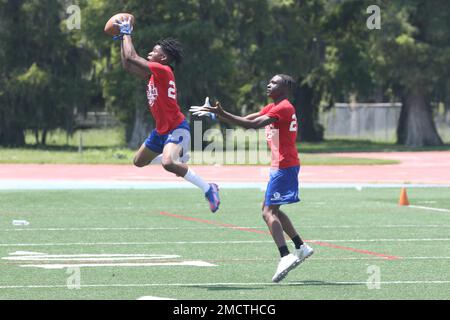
x: 407, y: 59
x: 42, y: 74
x: 232, y: 48
x: 11, y: 123
x: 207, y: 69
x: 413, y: 55
x: 282, y: 37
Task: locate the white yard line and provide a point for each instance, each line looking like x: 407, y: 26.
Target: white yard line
x: 129, y: 264
x: 211, y: 242
x: 21, y: 229
x: 333, y: 259
x: 429, y: 208
x: 42, y: 260
x: 125, y: 243
x: 215, y: 284
x: 383, y: 240
x: 153, y: 298
x: 275, y: 259
x: 88, y: 257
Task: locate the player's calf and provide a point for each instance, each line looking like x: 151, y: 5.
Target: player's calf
x: 139, y: 162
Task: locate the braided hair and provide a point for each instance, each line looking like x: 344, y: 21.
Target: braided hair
x: 172, y: 48
x: 288, y: 81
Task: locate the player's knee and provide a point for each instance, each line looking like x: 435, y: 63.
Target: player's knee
x: 266, y: 214
x: 168, y: 163
x: 265, y: 217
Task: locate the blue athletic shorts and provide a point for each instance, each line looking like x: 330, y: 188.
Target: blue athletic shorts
x: 282, y: 187
x: 179, y: 135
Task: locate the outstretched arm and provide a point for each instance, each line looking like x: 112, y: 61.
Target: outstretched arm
x: 131, y: 61
x: 253, y: 121
x: 252, y: 116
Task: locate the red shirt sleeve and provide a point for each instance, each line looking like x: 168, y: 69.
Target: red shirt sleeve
x: 266, y: 109
x: 275, y: 112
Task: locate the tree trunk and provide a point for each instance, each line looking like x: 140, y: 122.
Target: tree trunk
x: 44, y: 137
x: 11, y: 135
x: 141, y: 127
x: 416, y: 127
x: 307, y: 116
x: 36, y: 136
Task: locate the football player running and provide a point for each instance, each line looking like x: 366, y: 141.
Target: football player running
x: 169, y: 142
x: 280, y: 121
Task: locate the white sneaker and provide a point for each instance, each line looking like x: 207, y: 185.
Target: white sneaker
x: 304, y: 252
x: 286, y: 264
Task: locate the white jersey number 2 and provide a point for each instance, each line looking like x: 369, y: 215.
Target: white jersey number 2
x: 172, y: 92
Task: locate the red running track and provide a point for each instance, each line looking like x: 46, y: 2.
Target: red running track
x: 414, y: 167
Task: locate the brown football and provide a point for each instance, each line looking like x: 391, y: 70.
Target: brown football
x: 113, y: 30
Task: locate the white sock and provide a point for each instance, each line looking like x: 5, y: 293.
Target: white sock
x: 196, y: 180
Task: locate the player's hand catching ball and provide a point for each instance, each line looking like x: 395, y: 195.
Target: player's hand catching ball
x: 125, y: 25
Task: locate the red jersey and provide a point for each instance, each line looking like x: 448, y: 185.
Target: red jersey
x: 282, y: 134
x: 162, y: 98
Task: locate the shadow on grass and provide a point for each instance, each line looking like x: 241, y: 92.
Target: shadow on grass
x: 229, y: 288
x: 320, y: 283
x: 306, y: 283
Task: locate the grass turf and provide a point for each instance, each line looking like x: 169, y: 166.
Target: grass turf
x: 67, y: 222
x: 104, y: 155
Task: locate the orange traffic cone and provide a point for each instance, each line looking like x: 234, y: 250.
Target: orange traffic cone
x: 403, y: 198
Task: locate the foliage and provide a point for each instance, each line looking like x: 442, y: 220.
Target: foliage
x: 43, y: 70
x: 47, y: 72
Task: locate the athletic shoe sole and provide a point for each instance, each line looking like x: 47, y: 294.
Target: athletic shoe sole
x: 218, y: 204
x: 309, y: 255
x: 283, y: 274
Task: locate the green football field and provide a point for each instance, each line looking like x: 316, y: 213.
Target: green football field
x: 128, y: 244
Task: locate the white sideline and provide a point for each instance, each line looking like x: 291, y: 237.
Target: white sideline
x: 210, y: 242
x: 100, y: 260
x: 222, y: 227
x: 129, y: 264
x: 315, y: 259
x: 429, y: 208
x: 16, y: 184
x: 227, y: 284
x: 153, y: 298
